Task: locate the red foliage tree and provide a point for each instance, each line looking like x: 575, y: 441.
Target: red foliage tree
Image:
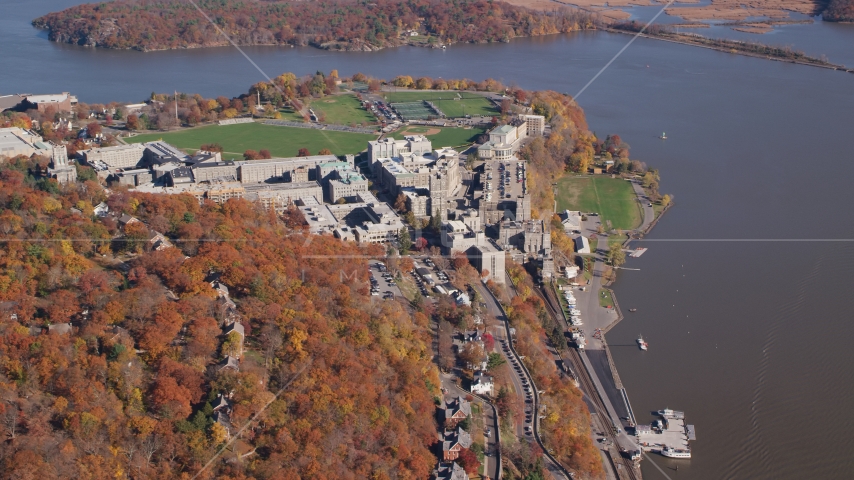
x: 468, y: 460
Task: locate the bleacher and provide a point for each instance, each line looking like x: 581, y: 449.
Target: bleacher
x: 235, y: 121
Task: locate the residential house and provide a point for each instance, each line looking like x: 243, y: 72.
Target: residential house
x: 158, y: 241
x: 235, y: 349
x: 473, y: 336
x: 571, y: 221
x: 223, y: 418
x: 456, y: 410
x: 101, y: 210
x: 220, y: 288
x: 482, y: 384
x: 126, y: 220
x: 451, y: 471
x: 453, y: 441
x: 230, y: 363
x: 59, y: 328
x: 582, y: 245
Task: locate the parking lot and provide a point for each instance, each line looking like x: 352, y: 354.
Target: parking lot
x: 428, y: 277
x: 382, y: 283
x: 503, y: 180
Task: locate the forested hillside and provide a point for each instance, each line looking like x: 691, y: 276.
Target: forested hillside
x: 112, y: 353
x: 333, y: 24
x: 839, y: 11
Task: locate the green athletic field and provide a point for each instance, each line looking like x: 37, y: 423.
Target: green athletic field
x: 612, y: 198
x: 470, y: 104
x: 342, y: 110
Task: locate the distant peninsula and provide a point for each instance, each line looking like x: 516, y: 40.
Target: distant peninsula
x: 839, y: 11
x: 348, y: 25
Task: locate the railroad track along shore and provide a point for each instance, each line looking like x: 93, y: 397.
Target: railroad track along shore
x: 628, y: 469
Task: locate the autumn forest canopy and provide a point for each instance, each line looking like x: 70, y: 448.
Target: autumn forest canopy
x: 131, y: 389
x: 332, y: 24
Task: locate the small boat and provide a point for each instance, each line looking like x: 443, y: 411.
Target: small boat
x: 675, y: 452
x: 642, y: 343
x: 633, y: 309
x: 663, y: 136
x: 668, y: 413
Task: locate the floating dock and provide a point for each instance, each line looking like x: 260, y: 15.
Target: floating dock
x: 637, y: 252
x: 670, y: 432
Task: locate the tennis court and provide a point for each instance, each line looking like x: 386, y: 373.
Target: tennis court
x: 414, y: 110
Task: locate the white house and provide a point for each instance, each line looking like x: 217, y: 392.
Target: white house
x: 101, y: 209
x: 582, y: 245
x: 571, y: 221
x: 482, y: 384
x: 571, y: 271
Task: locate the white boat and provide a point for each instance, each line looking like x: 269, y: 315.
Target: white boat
x: 663, y: 136
x: 668, y: 413
x: 675, y: 452
x: 642, y: 343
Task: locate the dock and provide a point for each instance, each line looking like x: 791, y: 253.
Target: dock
x: 668, y: 432
x: 637, y: 252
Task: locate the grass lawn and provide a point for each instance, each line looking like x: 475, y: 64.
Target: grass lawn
x: 290, y: 114
x: 605, y: 299
x: 281, y: 141
x: 445, y: 137
x: 612, y: 198
x: 342, y: 110
x: 471, y: 103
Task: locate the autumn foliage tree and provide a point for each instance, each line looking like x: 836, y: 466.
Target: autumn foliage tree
x: 141, y: 370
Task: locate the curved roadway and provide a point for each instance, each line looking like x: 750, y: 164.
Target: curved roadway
x: 520, y: 376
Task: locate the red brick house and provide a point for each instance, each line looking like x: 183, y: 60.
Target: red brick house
x: 453, y: 442
x: 456, y: 410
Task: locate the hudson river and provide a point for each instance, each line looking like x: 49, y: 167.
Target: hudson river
x: 743, y: 294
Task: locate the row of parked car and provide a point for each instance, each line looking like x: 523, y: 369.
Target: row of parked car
x: 420, y: 283
x: 529, y: 394
x: 375, y: 287
x: 380, y: 108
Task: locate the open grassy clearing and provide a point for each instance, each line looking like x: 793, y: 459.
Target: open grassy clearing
x: 280, y: 141
x: 612, y: 198
x: 446, y: 137
x: 470, y: 104
x: 605, y: 299
x: 290, y: 114
x: 342, y: 110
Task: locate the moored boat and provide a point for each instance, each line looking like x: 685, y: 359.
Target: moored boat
x: 642, y: 343
x: 675, y: 452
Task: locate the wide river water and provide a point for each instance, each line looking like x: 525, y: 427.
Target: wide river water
x: 743, y: 294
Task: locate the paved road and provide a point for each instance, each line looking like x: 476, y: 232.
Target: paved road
x: 648, y: 212
x: 519, y: 375
x: 500, y: 334
x: 490, y: 421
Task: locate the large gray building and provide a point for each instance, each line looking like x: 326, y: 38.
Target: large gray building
x: 256, y: 171
x: 16, y: 141
x: 120, y: 156
x: 389, y: 147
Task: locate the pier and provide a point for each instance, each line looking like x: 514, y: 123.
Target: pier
x: 670, y: 432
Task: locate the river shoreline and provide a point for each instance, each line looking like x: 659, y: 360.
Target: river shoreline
x: 686, y: 40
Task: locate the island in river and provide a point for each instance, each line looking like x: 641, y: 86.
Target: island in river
x: 359, y: 26
x: 332, y: 25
